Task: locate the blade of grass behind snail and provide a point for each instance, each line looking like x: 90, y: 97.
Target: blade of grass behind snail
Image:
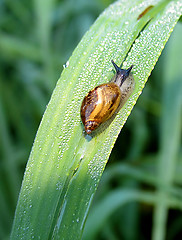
x: 65, y: 165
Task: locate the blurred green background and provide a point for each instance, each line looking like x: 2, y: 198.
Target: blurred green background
x: 36, y: 39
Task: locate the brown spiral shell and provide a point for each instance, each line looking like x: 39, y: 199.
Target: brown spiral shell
x: 101, y: 103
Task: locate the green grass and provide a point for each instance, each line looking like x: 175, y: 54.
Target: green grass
x: 148, y: 146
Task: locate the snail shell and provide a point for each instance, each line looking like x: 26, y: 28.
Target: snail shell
x: 101, y: 103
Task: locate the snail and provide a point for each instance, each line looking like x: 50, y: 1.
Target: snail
x: 103, y: 101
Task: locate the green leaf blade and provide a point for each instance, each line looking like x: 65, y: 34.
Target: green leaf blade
x: 65, y: 166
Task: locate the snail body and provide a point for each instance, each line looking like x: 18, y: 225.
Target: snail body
x: 101, y: 103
